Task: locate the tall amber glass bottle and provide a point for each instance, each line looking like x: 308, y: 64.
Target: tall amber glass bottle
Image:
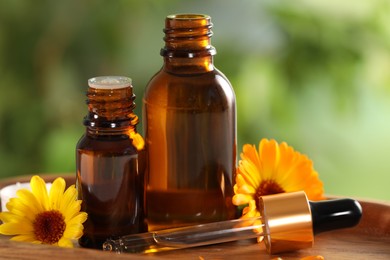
x: 110, y: 178
x: 189, y: 120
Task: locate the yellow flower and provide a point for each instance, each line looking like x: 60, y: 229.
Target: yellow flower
x: 41, y: 218
x: 275, y: 168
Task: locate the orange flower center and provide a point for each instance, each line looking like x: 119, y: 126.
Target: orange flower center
x: 49, y: 226
x: 267, y: 187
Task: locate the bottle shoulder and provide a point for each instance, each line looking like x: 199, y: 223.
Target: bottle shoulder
x: 211, y: 89
x: 164, y: 81
x: 106, y: 144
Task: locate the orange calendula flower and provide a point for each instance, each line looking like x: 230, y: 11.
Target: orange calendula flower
x: 44, y: 218
x: 274, y: 168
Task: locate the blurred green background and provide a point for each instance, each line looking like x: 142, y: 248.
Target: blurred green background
x: 315, y: 74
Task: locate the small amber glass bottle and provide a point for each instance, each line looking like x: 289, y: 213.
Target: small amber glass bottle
x: 189, y: 120
x: 110, y: 176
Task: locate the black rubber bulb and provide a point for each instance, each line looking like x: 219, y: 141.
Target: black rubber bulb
x: 335, y: 214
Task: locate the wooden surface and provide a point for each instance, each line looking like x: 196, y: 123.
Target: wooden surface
x: 369, y: 240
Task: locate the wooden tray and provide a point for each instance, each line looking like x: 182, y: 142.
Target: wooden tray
x: 369, y: 240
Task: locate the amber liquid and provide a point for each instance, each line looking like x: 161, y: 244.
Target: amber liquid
x: 110, y: 183
x: 189, y: 123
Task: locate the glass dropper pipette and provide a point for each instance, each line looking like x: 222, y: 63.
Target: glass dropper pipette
x: 184, y: 237
x: 288, y: 222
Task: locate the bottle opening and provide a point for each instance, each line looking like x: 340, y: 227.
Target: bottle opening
x: 109, y: 82
x: 188, y: 21
x: 188, y: 16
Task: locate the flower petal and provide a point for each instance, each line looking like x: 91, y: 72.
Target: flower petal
x: 12, y: 228
x: 18, y: 208
x: 137, y: 140
x: 72, y: 209
x: 25, y: 238
x: 241, y: 199
x: 251, y: 211
x: 249, y: 152
x: 70, y: 196
x: 269, y: 157
x: 74, y: 231
x: 38, y: 187
x: 7, y: 216
x: 65, y: 242
x: 56, y: 193
x: 79, y: 218
x: 250, y: 173
x: 29, y: 200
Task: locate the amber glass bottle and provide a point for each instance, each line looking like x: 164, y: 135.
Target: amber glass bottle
x: 110, y: 176
x: 189, y: 120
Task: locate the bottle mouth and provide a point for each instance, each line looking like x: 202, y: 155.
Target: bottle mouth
x: 188, y: 17
x: 109, y: 82
x: 188, y: 25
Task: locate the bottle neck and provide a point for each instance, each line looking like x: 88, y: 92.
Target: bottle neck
x: 188, y: 46
x: 96, y: 126
x: 188, y: 65
x: 110, y: 109
x: 122, y: 133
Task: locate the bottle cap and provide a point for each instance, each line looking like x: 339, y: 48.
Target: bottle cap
x: 288, y: 222
x: 291, y: 220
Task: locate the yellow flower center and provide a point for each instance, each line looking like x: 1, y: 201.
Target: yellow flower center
x: 267, y: 187
x: 49, y: 226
